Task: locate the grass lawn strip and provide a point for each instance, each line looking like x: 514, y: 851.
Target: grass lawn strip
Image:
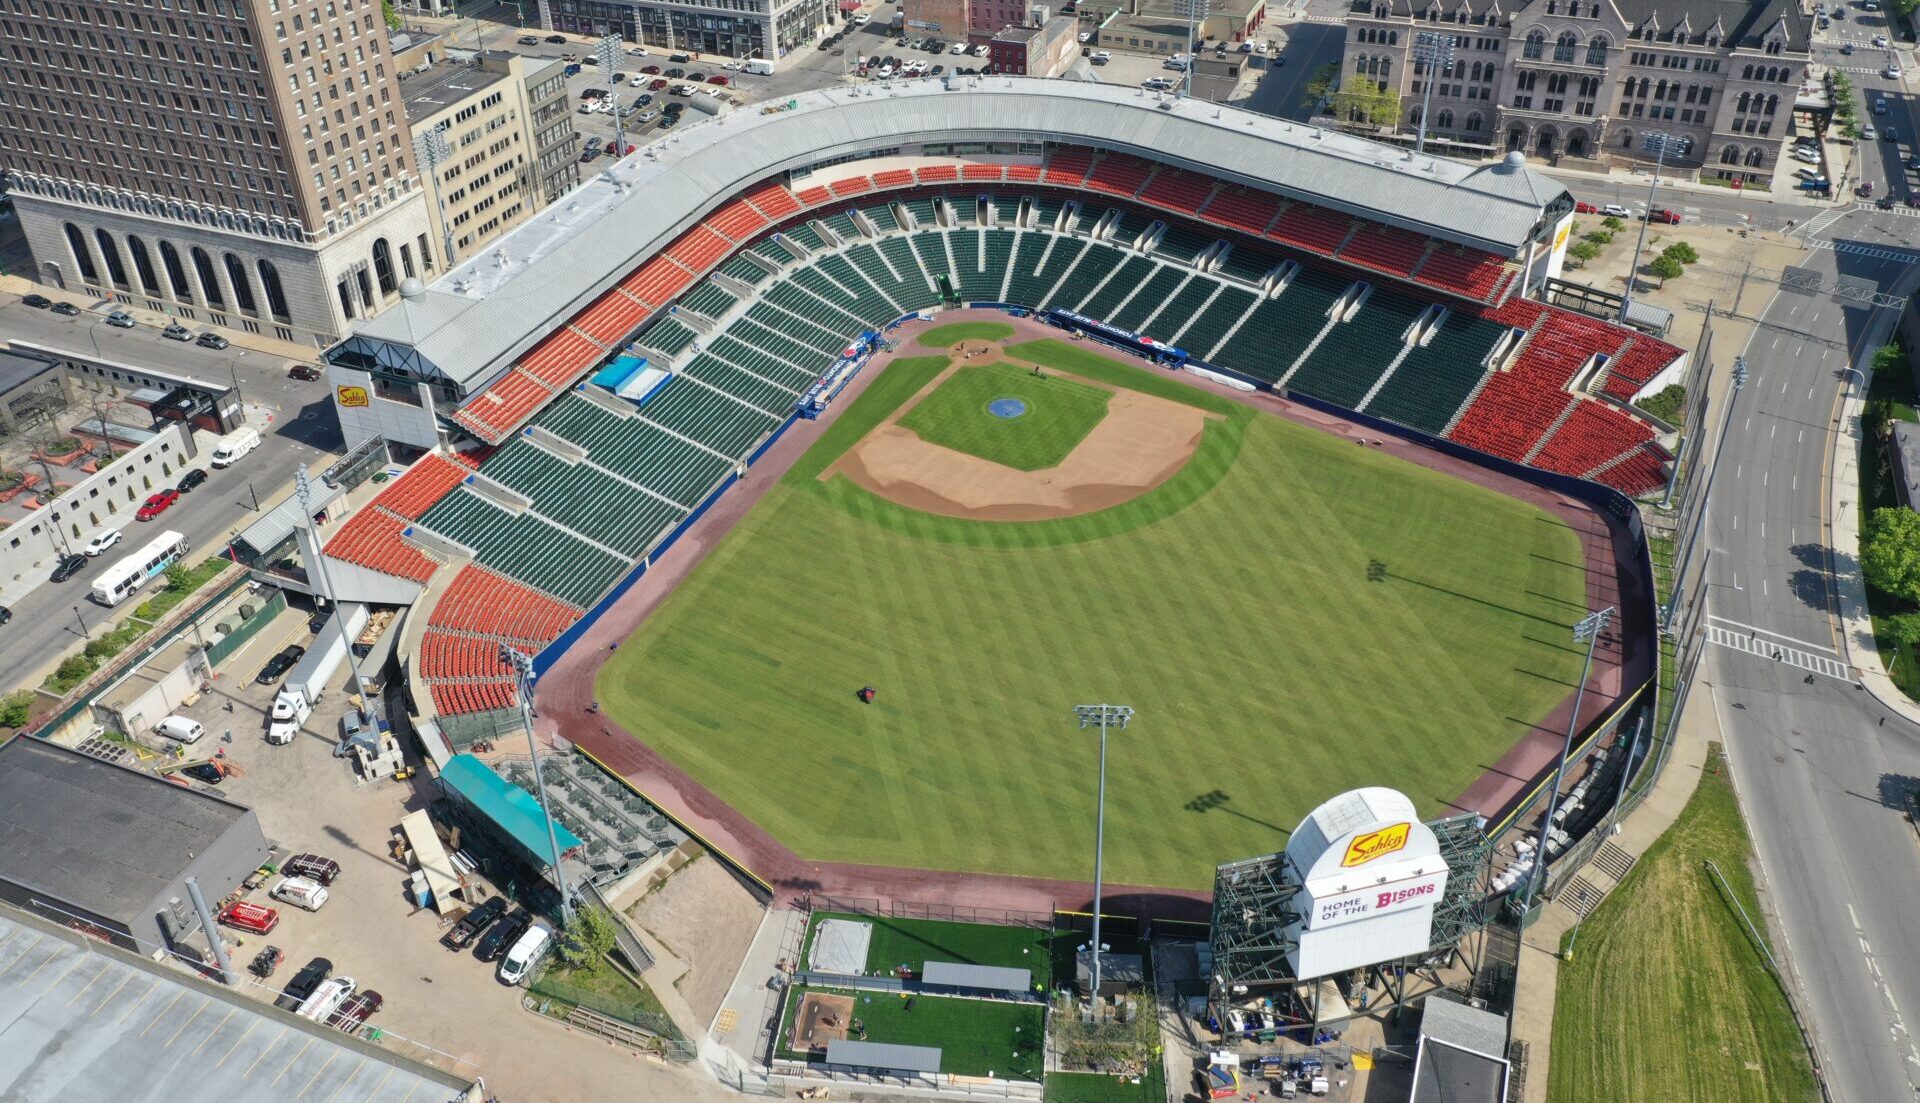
x: 1098, y: 1087
x: 953, y: 333
x: 978, y: 634
x: 975, y: 1037
x: 1667, y: 997
x: 914, y: 942
x: 1059, y: 415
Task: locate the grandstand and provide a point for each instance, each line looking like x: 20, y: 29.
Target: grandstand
x: 1301, y: 260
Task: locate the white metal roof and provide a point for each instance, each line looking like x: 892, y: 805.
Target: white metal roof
x: 532, y: 279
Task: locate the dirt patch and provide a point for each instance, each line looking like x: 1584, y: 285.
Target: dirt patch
x: 820, y: 1019
x: 1142, y: 442
x: 705, y: 917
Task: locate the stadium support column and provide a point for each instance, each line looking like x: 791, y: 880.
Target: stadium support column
x: 1435, y: 51
x: 1587, y: 630
x: 522, y: 664
x: 1196, y: 10
x: 1102, y: 717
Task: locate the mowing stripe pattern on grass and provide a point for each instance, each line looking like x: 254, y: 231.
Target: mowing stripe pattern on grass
x: 1058, y: 414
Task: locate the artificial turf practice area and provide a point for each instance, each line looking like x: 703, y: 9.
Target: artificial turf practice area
x: 1289, y: 614
x: 975, y: 1037
x: 914, y: 942
x: 1667, y: 997
x: 1041, y: 418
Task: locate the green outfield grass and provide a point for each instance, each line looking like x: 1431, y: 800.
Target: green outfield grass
x: 914, y: 942
x: 946, y: 336
x: 975, y: 1037
x: 1059, y: 415
x: 1667, y: 997
x: 1291, y: 616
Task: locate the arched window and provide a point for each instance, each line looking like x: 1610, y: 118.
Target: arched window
x: 1660, y: 89
x: 176, y: 272
x: 1445, y: 119
x: 1414, y: 116
x: 1626, y: 139
x: 1773, y: 103
x: 1393, y: 38
x: 1740, y: 104
x: 1597, y: 51
x: 1746, y: 73
x: 276, y: 295
x: 1564, y: 47
x: 80, y: 255
x: 1730, y: 155
x: 143, y: 265
x: 242, y: 287
x: 1535, y: 45
x: 383, y: 266
x: 209, y: 286
x: 1755, y: 157
x: 112, y: 255
x: 1474, y: 122
x: 1360, y: 63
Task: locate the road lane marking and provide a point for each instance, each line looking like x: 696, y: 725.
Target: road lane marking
x: 1791, y: 656
x: 1754, y: 628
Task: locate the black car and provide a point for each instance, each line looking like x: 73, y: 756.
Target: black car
x: 212, y: 341
x: 68, y: 566
x: 589, y: 153
x: 681, y: 59
x: 303, y: 984
x: 557, y: 39
x: 6, y: 615
x: 318, y: 620
x: 205, y: 771
x: 67, y: 310
x: 38, y: 302
x: 674, y: 74
x: 474, y: 922
x: 279, y: 665
x: 501, y: 935
x: 190, y: 480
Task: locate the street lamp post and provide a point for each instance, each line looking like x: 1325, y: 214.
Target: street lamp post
x: 430, y: 148
x: 522, y: 664
x: 1656, y: 142
x: 1588, y: 631
x: 1102, y: 717
x: 608, y: 50
x: 1690, y: 525
x: 1435, y: 51
x: 303, y: 489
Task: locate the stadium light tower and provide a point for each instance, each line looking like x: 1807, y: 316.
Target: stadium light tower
x: 1102, y: 717
x: 1435, y: 51
x: 522, y: 664
x: 1196, y: 13
x: 610, y: 50
x: 1588, y: 631
x: 431, y: 149
x: 1659, y: 143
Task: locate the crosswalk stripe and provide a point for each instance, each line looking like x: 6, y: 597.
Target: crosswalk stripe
x: 1791, y: 656
x: 1901, y: 210
x: 1857, y: 249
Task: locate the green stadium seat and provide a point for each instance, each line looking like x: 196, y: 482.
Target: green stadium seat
x: 1183, y: 244
x: 669, y: 335
x: 1433, y: 382
x: 1247, y: 263
x: 1133, y: 271
x: 915, y: 293
x: 711, y: 370
x: 709, y: 299
x: 1083, y: 269
x: 744, y: 270
x: 1279, y: 330
x: 1213, y: 322
x: 714, y: 420
x: 1179, y: 310
x: 642, y: 452
x: 1151, y: 296
x: 526, y: 546
x: 1358, y: 352
x: 584, y: 498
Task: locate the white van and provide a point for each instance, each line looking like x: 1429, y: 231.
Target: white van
x: 228, y: 449
x: 299, y: 891
x: 526, y: 952
x: 759, y: 66
x: 326, y: 998
x: 180, y: 729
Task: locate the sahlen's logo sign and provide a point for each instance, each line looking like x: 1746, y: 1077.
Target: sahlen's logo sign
x: 352, y: 396
x: 1375, y: 844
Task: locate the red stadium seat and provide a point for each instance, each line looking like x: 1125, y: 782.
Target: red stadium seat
x: 1315, y: 229
x: 773, y: 200
x: 372, y: 538
x: 737, y: 221
x: 432, y: 478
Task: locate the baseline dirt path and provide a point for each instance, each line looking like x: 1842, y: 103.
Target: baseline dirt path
x: 563, y: 694
x: 1142, y: 442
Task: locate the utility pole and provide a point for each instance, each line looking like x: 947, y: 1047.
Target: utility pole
x: 1102, y: 717
x: 1587, y: 630
x: 1435, y: 51
x: 303, y: 488
x: 1196, y: 11
x: 522, y: 664
x: 1656, y: 142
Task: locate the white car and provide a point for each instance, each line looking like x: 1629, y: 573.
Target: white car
x: 1086, y: 35
x: 638, y: 80
x: 980, y: 50
x: 636, y: 51
x: 1158, y: 84
x: 957, y: 48
x: 862, y: 19
x: 101, y: 541
x: 1101, y: 58
x: 1891, y: 72
x: 1615, y: 210
x: 885, y: 72
x: 1880, y: 40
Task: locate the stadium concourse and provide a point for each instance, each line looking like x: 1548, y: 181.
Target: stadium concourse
x: 588, y: 385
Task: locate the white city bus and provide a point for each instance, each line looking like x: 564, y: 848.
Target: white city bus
x: 125, y: 578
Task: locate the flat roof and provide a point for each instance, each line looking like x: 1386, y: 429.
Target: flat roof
x: 1462, y: 1056
x: 100, y: 837
x: 77, y: 1029
x: 278, y: 523
x: 985, y: 978
x: 883, y: 1055
x: 443, y: 86
x: 18, y: 369
x: 506, y: 804
x: 474, y: 321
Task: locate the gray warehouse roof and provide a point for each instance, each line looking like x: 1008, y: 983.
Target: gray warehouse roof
x: 476, y: 319
x: 102, y: 837
x: 984, y: 978
x: 1462, y: 1055
x: 883, y: 1055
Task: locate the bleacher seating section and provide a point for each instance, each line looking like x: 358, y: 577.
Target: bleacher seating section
x: 537, y: 568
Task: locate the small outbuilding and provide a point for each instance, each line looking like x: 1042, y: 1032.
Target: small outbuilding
x: 1462, y: 1055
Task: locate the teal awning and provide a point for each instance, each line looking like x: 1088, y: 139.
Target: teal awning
x: 510, y: 807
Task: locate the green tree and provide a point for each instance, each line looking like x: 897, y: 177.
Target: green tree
x: 1365, y: 102
x: 1901, y: 628
x: 16, y: 708
x: 1598, y: 237
x: 1889, y: 358
x: 1320, y: 89
x: 1667, y: 268
x: 1583, y: 251
x: 179, y: 577
x: 1682, y: 252
x: 1890, y: 552
x: 1613, y: 223
x: 393, y: 17
x: 589, y: 937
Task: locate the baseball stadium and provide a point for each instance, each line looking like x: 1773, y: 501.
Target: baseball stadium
x: 826, y: 454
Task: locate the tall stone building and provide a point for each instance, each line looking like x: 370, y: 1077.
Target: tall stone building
x: 1586, y: 81
x: 243, y: 162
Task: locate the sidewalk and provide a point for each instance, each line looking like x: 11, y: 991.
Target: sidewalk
x: 730, y: 1049
x: 253, y: 342
x: 1539, y: 971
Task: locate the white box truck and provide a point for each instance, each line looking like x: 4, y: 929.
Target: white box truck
x: 228, y: 449
x: 760, y: 66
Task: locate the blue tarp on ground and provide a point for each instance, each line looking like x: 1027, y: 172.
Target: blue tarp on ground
x: 510, y: 807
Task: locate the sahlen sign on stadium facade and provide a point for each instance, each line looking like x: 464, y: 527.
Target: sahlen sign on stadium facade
x: 1371, y: 873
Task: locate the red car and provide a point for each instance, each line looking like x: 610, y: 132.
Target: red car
x: 719, y: 79
x: 256, y: 918
x: 1583, y: 207
x: 651, y: 70
x: 357, y: 1009
x: 157, y: 504
x: 1664, y: 216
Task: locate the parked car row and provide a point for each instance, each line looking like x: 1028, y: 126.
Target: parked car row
x: 517, y: 941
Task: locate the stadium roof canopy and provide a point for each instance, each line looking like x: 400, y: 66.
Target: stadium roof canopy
x: 477, y: 318
x: 884, y: 1056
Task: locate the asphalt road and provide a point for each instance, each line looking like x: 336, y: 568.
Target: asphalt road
x: 302, y: 430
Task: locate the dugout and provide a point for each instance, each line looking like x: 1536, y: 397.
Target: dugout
x: 884, y: 1059
x: 976, y: 980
